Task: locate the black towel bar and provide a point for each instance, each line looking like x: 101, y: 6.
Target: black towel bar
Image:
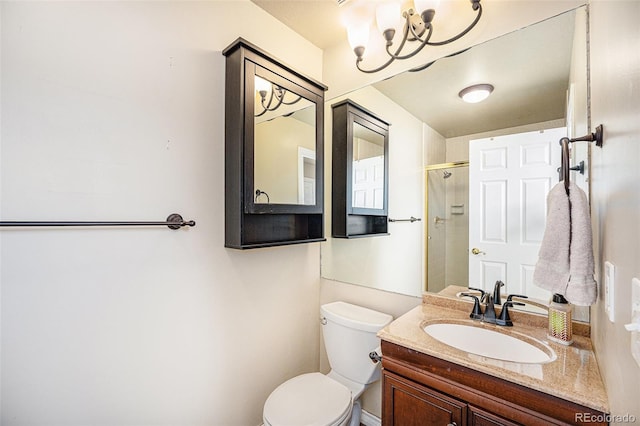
x: 174, y: 221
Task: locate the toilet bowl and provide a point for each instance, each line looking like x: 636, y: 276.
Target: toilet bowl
x: 309, y: 399
x: 315, y: 399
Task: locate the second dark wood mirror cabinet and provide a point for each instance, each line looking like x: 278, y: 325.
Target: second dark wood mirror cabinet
x: 274, y: 130
x: 360, y: 172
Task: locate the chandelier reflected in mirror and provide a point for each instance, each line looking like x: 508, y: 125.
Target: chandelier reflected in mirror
x: 414, y: 17
x: 272, y: 97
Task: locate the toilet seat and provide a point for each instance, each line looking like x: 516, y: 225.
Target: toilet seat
x: 309, y: 399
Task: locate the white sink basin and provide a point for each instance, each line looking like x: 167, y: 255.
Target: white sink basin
x: 491, y: 344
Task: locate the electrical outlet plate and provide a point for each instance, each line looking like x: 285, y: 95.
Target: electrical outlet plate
x: 609, y: 287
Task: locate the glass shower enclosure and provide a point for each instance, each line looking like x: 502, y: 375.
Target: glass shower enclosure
x: 447, y: 227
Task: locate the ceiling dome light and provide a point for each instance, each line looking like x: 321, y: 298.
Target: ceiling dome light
x: 476, y: 93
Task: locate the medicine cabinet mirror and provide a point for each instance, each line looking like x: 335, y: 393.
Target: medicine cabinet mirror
x: 273, y: 151
x: 360, y: 172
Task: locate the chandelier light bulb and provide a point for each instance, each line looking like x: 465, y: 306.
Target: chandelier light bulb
x: 358, y: 35
x: 262, y: 86
x: 388, y: 16
x: 422, y: 5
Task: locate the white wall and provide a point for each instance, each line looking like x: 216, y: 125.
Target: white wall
x: 115, y: 111
x: 277, y: 172
x: 615, y: 188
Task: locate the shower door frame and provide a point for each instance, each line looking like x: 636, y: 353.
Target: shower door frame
x: 427, y: 169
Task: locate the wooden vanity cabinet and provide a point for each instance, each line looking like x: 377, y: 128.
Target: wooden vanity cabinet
x: 419, y: 389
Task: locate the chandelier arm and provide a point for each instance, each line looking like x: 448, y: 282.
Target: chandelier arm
x: 268, y: 107
x: 402, y: 43
x: 392, y: 56
x: 279, y: 91
x: 279, y: 98
x: 380, y: 68
x: 469, y: 28
x: 265, y: 108
x: 416, y: 37
x: 291, y: 102
x: 409, y: 29
x: 423, y: 43
x: 281, y: 95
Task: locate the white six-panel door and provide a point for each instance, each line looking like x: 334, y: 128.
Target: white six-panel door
x: 509, y: 179
x: 368, y: 183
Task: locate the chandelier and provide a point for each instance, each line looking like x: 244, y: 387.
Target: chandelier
x: 417, y: 29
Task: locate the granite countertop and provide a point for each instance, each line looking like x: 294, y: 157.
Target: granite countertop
x: 573, y: 375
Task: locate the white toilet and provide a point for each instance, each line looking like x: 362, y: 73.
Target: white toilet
x: 314, y: 399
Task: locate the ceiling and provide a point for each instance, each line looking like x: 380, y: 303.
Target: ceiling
x: 529, y: 69
x: 316, y: 20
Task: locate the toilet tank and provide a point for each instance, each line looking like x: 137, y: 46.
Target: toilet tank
x: 349, y: 333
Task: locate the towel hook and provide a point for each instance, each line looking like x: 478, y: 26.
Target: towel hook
x: 596, y: 137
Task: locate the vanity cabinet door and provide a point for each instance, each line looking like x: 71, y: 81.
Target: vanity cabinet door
x: 406, y: 403
x: 479, y: 417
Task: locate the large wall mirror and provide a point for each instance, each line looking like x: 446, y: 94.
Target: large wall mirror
x: 540, y: 78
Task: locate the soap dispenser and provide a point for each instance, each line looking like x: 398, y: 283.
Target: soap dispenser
x: 560, y: 320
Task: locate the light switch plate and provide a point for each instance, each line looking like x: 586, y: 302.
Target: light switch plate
x: 609, y: 290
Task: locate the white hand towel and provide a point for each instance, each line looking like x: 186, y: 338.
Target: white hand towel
x: 582, y: 288
x: 552, y: 269
x: 565, y: 260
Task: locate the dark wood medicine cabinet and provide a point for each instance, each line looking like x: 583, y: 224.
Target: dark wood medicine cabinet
x: 274, y: 130
x: 360, y: 172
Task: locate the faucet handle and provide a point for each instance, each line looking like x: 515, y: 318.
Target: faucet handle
x: 476, y: 313
x: 483, y: 293
x: 504, y: 314
x: 519, y: 296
